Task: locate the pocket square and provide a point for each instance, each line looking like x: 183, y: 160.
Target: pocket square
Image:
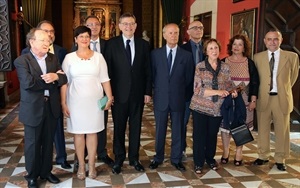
x: 102, y: 102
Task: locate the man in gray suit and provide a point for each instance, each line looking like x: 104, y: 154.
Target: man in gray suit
x: 40, y: 77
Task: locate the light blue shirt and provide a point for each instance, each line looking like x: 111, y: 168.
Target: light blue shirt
x: 174, y: 50
x: 42, y: 64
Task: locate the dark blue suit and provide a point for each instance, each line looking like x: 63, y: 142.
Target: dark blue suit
x: 169, y: 98
x: 59, y: 138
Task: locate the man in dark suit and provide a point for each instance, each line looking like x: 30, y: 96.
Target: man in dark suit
x: 97, y: 44
x: 40, y: 79
x: 128, y: 60
x: 60, y: 53
x: 195, y: 46
x: 278, y: 71
x: 172, y: 69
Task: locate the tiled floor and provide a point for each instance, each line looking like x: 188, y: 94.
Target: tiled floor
x: 12, y: 164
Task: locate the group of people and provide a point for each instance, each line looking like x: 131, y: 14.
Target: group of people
x: 183, y: 79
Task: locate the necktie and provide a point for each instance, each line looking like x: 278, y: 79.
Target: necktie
x: 200, y: 53
x: 128, y: 51
x: 94, y: 45
x: 170, y: 60
x: 272, y: 61
x: 197, y: 54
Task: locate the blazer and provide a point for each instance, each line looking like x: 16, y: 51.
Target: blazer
x: 254, y: 79
x: 286, y: 77
x: 126, y: 79
x: 102, y: 46
x: 170, y: 90
x: 59, y: 52
x: 32, y: 88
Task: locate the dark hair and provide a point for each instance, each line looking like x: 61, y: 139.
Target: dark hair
x: 246, y: 41
x: 91, y: 16
x: 44, y: 21
x: 275, y: 30
x: 82, y: 29
x: 127, y: 15
x: 210, y: 41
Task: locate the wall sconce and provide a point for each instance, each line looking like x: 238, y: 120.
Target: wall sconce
x: 20, y: 18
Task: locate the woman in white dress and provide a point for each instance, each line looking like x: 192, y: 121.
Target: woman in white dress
x: 87, y: 75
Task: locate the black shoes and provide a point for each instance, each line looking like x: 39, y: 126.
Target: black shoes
x: 154, y: 164
x: 65, y: 165
x: 179, y: 166
x: 137, y: 165
x: 260, y: 162
x: 116, y: 169
x: 51, y: 178
x: 281, y: 166
x: 32, y: 183
x: 107, y: 160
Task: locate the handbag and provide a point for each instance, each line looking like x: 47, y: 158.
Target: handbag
x: 102, y: 102
x: 241, y: 135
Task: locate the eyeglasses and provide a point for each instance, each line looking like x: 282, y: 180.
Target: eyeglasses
x: 128, y: 24
x: 83, y: 37
x: 49, y: 31
x: 43, y: 40
x: 196, y: 28
x: 93, y: 25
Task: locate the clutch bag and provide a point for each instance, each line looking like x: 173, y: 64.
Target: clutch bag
x: 102, y: 102
x: 241, y: 135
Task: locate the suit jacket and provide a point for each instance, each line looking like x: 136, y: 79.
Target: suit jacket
x: 187, y: 46
x: 170, y: 90
x: 126, y: 79
x: 59, y: 52
x: 287, y: 74
x: 102, y: 46
x: 32, y: 88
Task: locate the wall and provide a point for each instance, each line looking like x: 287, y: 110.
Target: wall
x: 224, y: 12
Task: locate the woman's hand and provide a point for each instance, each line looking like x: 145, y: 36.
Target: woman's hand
x: 222, y: 93
x: 109, y: 103
x: 252, y: 105
x: 65, y: 110
x: 234, y: 94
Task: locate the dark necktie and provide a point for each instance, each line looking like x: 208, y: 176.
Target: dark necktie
x: 170, y: 60
x: 272, y: 61
x: 200, y: 53
x: 197, y: 54
x: 128, y: 52
x: 94, y: 45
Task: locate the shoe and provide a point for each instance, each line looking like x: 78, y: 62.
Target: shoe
x: 116, y: 169
x: 179, y: 166
x: 224, y: 160
x: 237, y: 163
x: 107, y: 160
x: 137, y: 165
x: 51, y: 178
x: 32, y: 183
x: 281, y: 166
x: 154, y: 164
x: 198, y: 169
x: 81, y: 172
x: 65, y: 165
x: 260, y: 162
x: 213, y: 166
x: 92, y: 171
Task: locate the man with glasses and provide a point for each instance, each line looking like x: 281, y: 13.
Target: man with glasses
x: 40, y: 77
x: 60, y: 53
x: 128, y: 60
x: 194, y: 45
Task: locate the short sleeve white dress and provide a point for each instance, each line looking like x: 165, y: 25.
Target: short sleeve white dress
x: 84, y: 91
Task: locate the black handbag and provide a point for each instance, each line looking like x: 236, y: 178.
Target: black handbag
x: 241, y: 135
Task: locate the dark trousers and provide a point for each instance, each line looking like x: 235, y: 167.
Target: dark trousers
x: 187, y: 114
x: 59, y: 141
x: 205, y: 132
x: 132, y: 112
x: 161, y: 120
x: 39, y: 146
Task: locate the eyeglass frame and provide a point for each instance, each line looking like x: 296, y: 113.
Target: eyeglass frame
x: 128, y: 24
x: 196, y: 28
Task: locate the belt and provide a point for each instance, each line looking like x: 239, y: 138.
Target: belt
x: 273, y: 93
x: 46, y: 98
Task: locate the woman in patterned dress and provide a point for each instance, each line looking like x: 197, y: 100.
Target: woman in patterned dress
x: 244, y: 74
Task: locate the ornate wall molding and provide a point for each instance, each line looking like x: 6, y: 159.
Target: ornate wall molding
x: 5, y: 53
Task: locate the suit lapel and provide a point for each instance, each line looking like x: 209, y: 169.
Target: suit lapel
x: 34, y: 63
x: 49, y: 63
x: 282, y: 61
x: 176, y: 60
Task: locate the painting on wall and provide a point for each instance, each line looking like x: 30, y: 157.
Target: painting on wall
x: 244, y: 23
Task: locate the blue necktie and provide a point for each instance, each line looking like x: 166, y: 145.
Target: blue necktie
x: 94, y: 45
x: 197, y: 54
x: 128, y: 52
x: 170, y: 60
